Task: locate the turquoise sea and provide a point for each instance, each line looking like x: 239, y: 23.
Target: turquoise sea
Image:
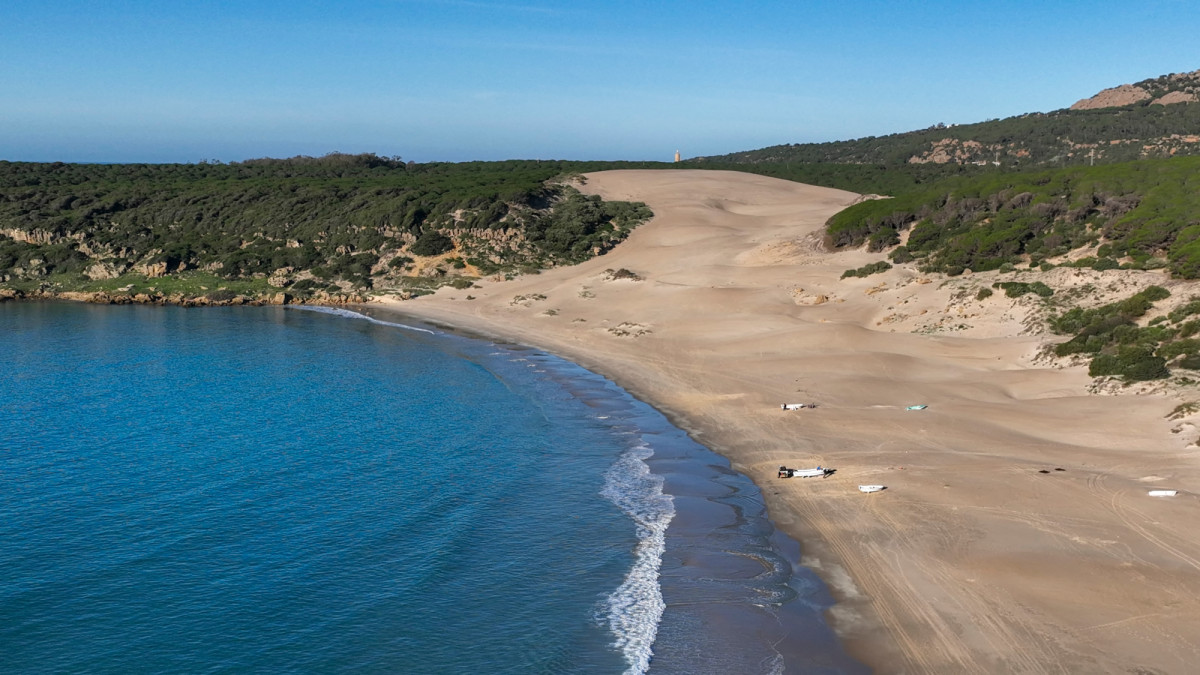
x: 277, y: 490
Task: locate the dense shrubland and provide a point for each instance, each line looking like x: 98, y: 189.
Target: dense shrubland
x: 327, y: 223
x: 1137, y: 215
x: 1119, y: 346
x: 1059, y: 138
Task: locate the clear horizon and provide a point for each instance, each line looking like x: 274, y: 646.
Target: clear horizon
x: 461, y: 80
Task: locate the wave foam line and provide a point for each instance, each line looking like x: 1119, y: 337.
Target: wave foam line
x: 355, y: 315
x: 635, y: 609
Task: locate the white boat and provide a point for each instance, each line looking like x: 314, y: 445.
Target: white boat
x: 796, y: 406
x: 871, y: 488
x: 916, y: 407
x: 809, y: 473
x: 1163, y: 493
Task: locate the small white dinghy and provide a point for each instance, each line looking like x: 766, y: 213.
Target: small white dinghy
x: 871, y: 488
x: 1163, y: 493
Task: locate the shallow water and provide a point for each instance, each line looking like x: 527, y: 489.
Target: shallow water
x: 276, y: 490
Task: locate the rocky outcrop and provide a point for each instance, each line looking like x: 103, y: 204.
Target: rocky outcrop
x: 152, y: 270
x: 1175, y: 97
x: 1166, y: 90
x: 953, y: 150
x: 102, y: 270
x: 1111, y: 98
x: 281, y: 277
x: 40, y: 237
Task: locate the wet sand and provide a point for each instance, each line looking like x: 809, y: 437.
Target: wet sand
x: 982, y: 556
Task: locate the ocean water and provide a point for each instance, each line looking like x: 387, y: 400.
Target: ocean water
x: 287, y: 491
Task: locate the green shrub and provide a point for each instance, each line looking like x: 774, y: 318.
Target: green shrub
x: 1156, y: 293
x: 901, y: 255
x: 1182, y: 312
x: 983, y: 294
x: 306, y: 286
x: 1179, y: 347
x: 1104, y: 365
x: 1132, y: 363
x: 882, y: 238
x: 868, y: 270
x: 1015, y: 289
x: 1104, y: 319
x: 432, y: 242
x: 1121, y: 347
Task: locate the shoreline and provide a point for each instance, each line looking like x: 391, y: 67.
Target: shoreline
x: 724, y: 566
x: 749, y: 621
x: 862, y: 651
x: 182, y: 299
x: 980, y: 556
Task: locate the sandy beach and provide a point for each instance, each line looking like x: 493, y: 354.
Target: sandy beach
x: 1015, y: 533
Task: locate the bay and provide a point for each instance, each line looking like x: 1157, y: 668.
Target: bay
x: 272, y: 490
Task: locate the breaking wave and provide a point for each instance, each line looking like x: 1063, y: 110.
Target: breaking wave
x: 355, y: 315
x: 633, y: 611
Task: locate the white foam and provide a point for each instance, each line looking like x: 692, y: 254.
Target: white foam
x: 355, y: 315
x: 634, y: 610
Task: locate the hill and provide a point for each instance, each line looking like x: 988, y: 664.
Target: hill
x: 1135, y: 216
x: 1106, y: 185
x: 1158, y: 117
x: 319, y: 228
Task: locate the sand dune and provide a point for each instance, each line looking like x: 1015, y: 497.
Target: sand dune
x: 1015, y: 535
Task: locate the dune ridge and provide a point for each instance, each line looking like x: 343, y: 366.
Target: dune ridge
x: 1015, y: 534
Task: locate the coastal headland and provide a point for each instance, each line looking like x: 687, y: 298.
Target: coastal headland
x: 1015, y: 533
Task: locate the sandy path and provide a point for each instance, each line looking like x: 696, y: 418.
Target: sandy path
x: 972, y: 561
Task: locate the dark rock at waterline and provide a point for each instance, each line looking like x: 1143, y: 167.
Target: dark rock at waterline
x: 182, y: 300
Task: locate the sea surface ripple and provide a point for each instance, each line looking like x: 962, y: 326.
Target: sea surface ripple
x: 270, y: 490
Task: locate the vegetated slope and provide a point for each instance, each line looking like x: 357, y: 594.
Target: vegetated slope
x: 1159, y: 117
x: 1131, y: 216
x: 1139, y: 214
x: 1164, y: 90
x: 313, y: 225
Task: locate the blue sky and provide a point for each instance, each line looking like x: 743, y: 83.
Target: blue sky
x: 454, y: 80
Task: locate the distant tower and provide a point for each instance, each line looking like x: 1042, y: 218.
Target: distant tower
x: 676, y: 155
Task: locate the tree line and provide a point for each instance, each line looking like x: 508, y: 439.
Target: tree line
x: 335, y: 217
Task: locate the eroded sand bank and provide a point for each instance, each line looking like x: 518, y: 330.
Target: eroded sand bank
x: 973, y: 560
